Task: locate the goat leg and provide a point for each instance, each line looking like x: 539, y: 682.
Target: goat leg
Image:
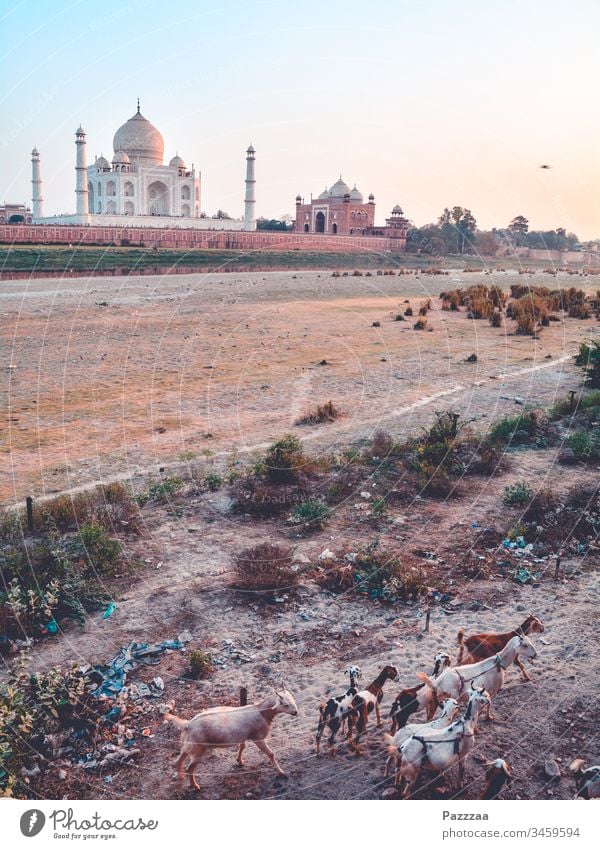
x: 240, y: 753
x: 264, y: 747
x: 524, y: 673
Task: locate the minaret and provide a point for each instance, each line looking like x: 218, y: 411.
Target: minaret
x: 250, y: 201
x: 36, y: 183
x: 81, y: 189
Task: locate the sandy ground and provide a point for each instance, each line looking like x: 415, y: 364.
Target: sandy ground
x: 107, y: 378
x: 308, y: 642
x: 88, y: 386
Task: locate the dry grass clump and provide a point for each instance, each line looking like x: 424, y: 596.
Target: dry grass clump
x: 420, y: 324
x: 111, y: 505
x: 264, y: 568
x: 327, y: 412
x: 528, y: 311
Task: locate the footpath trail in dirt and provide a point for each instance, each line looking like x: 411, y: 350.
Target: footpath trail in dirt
x: 309, y: 640
x: 106, y: 378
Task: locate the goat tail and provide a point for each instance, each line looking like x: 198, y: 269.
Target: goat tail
x: 175, y: 720
x: 460, y: 636
x: 426, y: 680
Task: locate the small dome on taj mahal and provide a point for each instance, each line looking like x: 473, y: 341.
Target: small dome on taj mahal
x: 120, y: 158
x: 177, y: 162
x: 355, y: 194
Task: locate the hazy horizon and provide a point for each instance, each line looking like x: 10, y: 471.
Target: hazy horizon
x: 426, y: 104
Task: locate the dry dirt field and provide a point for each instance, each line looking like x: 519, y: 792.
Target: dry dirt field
x: 106, y: 378
x: 118, y: 378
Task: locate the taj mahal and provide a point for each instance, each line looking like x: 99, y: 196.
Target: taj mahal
x: 136, y: 187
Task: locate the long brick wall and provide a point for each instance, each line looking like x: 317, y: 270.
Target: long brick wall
x: 148, y: 237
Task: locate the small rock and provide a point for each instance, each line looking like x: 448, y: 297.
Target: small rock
x: 389, y: 793
x: 551, y: 769
x: 62, y: 774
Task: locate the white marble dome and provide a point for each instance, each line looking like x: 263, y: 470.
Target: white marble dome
x: 120, y: 158
x: 102, y: 162
x: 324, y: 194
x: 356, y: 195
x: 177, y: 162
x: 140, y: 140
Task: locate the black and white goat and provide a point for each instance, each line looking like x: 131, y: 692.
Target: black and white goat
x: 422, y: 697
x: 587, y: 780
x: 334, y: 713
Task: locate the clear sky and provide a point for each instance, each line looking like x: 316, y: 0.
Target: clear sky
x: 426, y: 103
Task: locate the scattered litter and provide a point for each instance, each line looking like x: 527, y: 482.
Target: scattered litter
x: 365, y: 495
x: 52, y: 627
x: 146, y: 732
x: 522, y: 575
x: 325, y: 555
x: 185, y: 637
x: 109, y: 678
x: 109, y: 610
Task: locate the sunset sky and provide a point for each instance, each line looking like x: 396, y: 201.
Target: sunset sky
x: 426, y: 104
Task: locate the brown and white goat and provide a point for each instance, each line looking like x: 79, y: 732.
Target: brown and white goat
x: 587, y: 780
x: 221, y: 727
x: 479, y: 646
x: 497, y: 774
x: 334, y: 713
x: 454, y: 682
x: 365, y: 702
x: 422, y: 697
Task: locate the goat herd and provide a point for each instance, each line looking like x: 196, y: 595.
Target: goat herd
x: 461, y: 692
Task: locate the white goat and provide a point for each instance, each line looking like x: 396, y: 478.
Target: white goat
x: 220, y: 727
x: 441, y: 749
x: 489, y: 673
x: 450, y: 708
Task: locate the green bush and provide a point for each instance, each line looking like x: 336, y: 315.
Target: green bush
x: 55, y: 578
x: 312, y: 515
x: 589, y: 359
x: 213, y: 482
x: 284, y: 459
x: 585, y: 446
x: 516, y: 430
x: 161, y: 491
x: 517, y: 495
x: 32, y: 706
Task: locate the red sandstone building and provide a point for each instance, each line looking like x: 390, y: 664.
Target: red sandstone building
x: 341, y: 211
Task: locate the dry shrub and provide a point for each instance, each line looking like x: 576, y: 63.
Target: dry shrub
x: 345, y: 484
x: 480, y: 308
x: 420, y: 324
x: 264, y: 568
x: 337, y: 577
x: 382, y: 444
x: 110, y: 505
x: 408, y: 311
x: 527, y: 312
x: 324, y: 413
x: 540, y: 506
x: 496, y: 319
x: 425, y: 307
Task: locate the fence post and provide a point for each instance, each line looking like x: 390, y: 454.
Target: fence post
x: 29, y: 502
x: 557, y: 570
x: 243, y: 696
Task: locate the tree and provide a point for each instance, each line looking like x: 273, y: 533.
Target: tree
x: 272, y: 224
x: 458, y: 225
x: 221, y: 214
x: 519, y: 228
